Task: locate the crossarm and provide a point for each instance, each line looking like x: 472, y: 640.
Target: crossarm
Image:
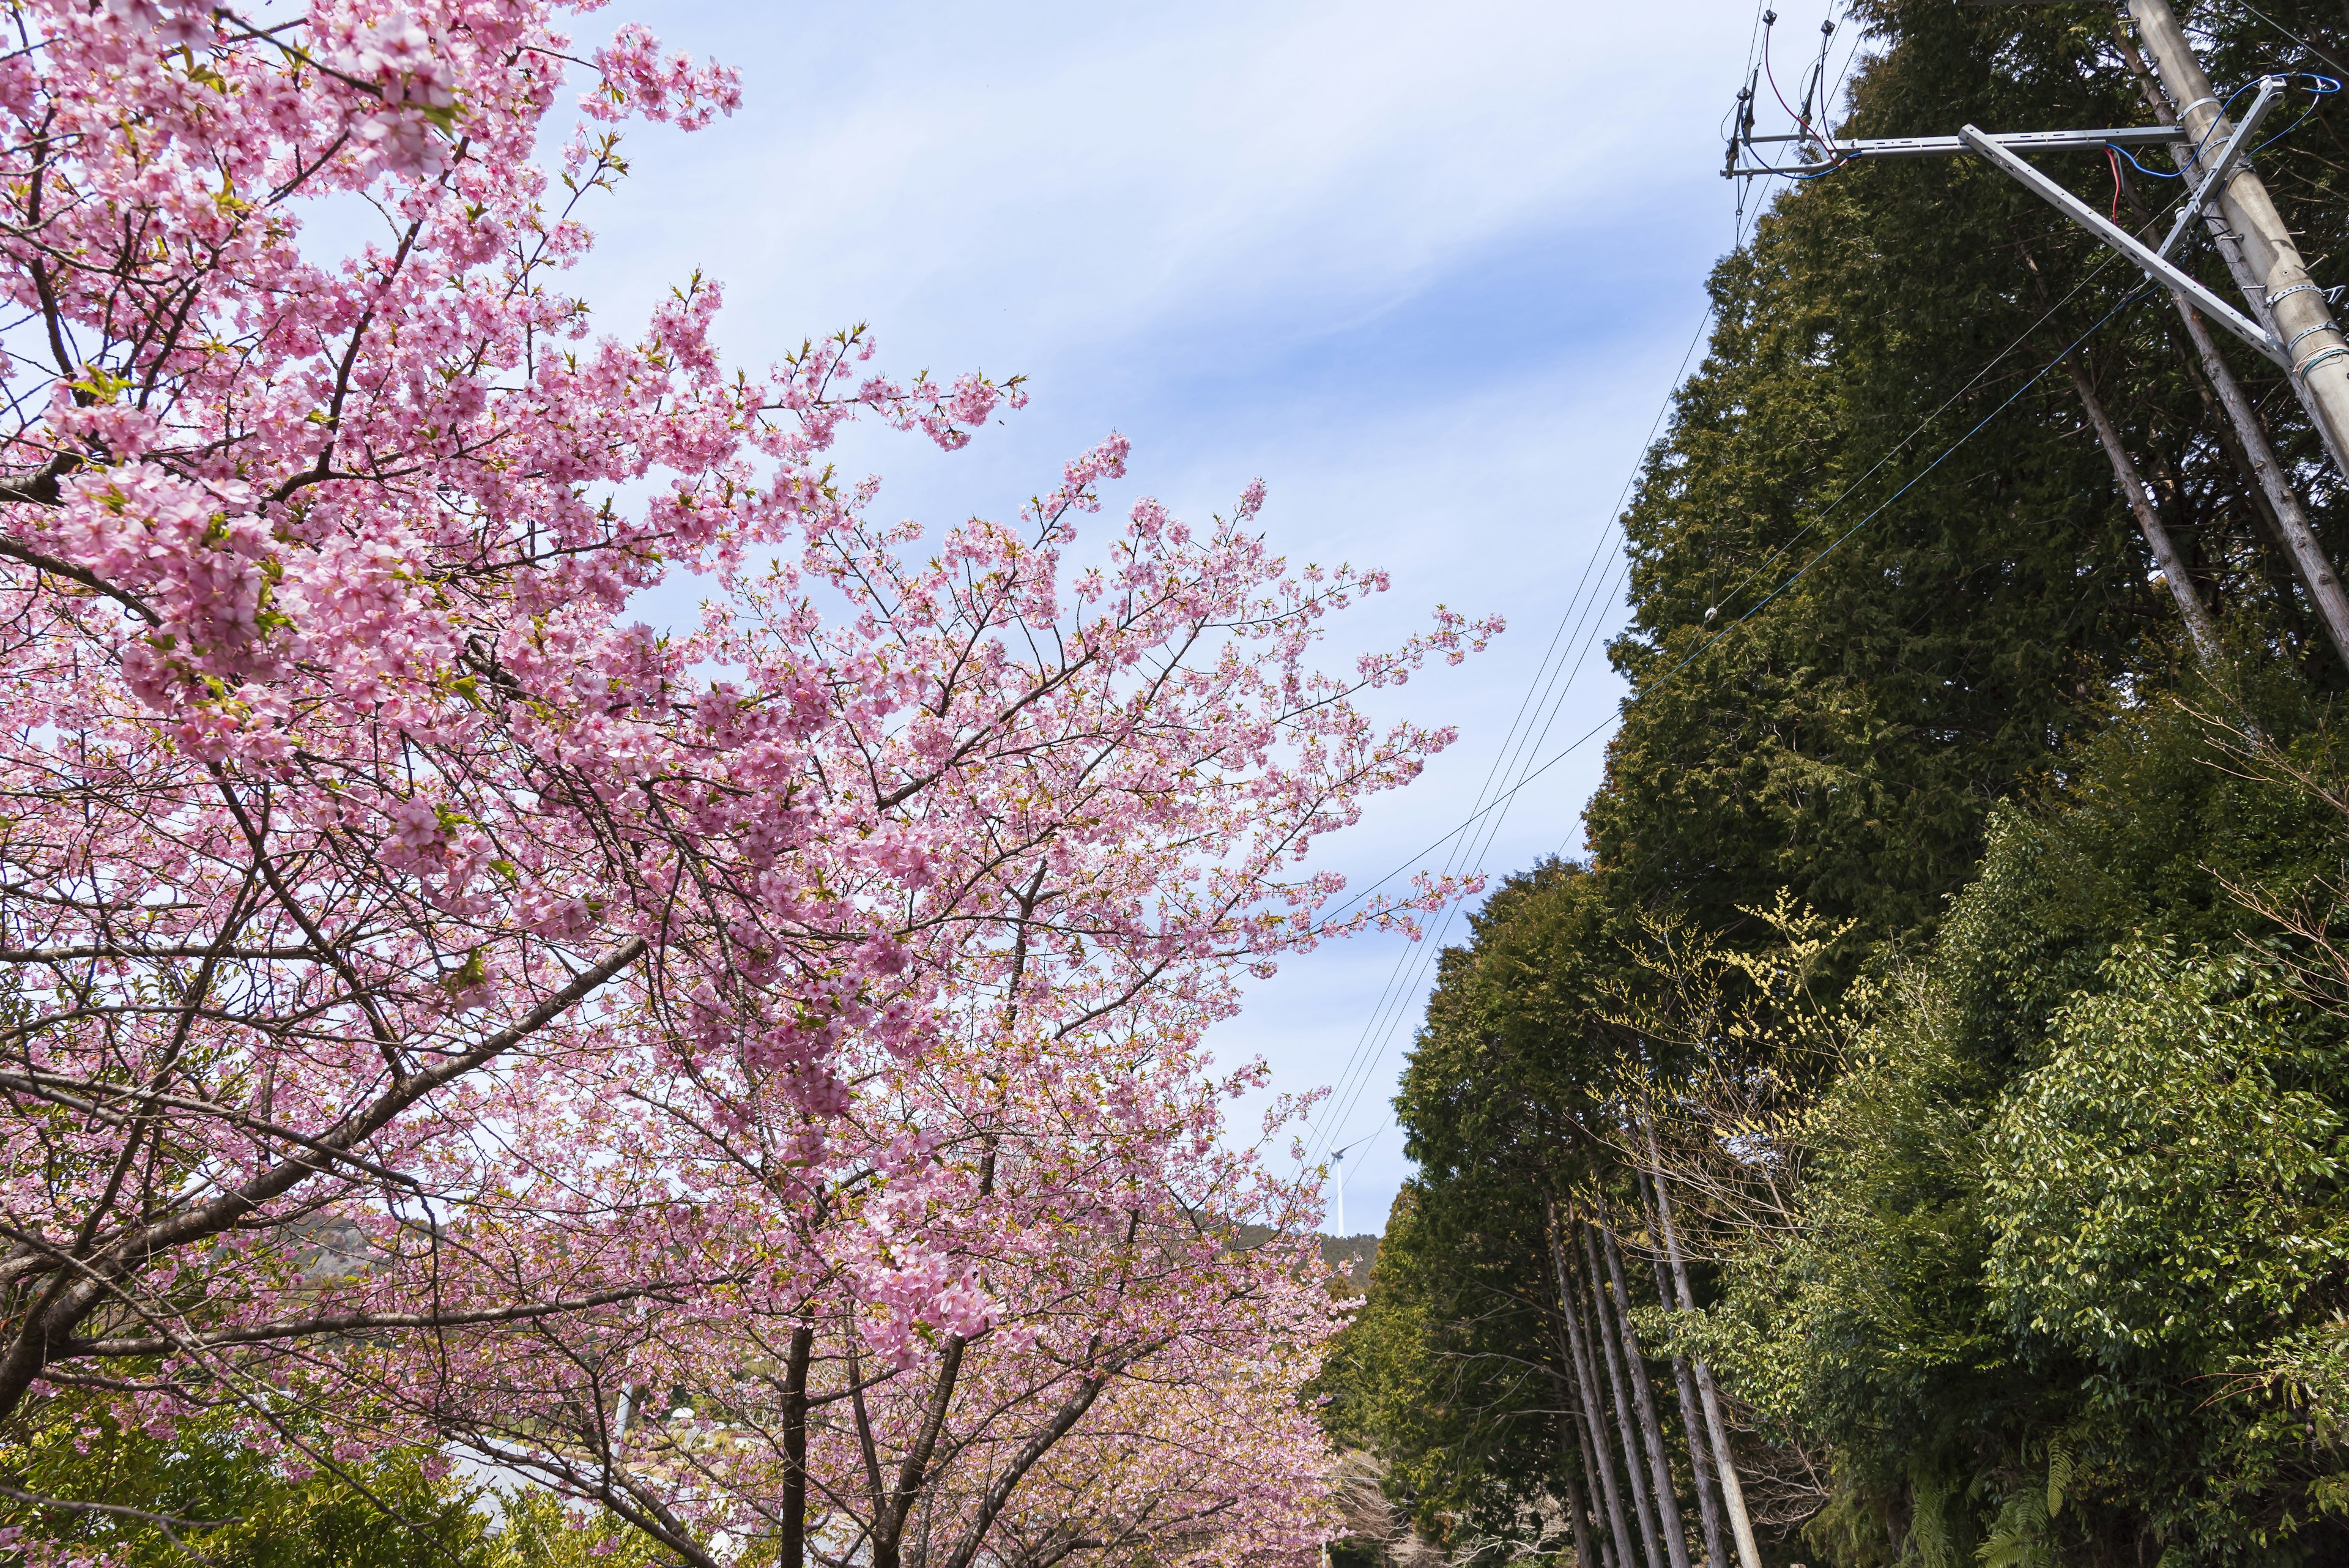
x: 2149, y: 261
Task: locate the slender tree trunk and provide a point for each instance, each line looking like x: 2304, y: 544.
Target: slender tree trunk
x: 1708, y: 1493
x: 2199, y: 627
x: 2192, y: 338
x: 1626, y: 1445
x: 794, y: 1551
x: 1581, y: 1525
x: 1733, y: 1493
x: 1583, y: 1430
x: 1643, y: 1404
x: 1610, y: 1353
x: 2282, y: 517
x: 1586, y: 1375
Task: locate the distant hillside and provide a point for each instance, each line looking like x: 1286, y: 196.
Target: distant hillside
x: 1351, y: 1255
x: 1339, y: 1254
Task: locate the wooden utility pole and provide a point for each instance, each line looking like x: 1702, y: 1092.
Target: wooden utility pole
x: 2308, y: 560
x: 2258, y: 248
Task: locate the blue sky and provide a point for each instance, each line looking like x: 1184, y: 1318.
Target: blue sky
x: 1427, y: 270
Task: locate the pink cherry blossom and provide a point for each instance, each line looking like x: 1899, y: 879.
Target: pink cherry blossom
x: 435, y: 995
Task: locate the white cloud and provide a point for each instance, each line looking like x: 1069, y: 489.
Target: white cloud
x: 1426, y: 269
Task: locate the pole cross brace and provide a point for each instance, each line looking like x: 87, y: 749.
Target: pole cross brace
x: 2271, y: 90
x: 1834, y: 155
x: 2152, y: 262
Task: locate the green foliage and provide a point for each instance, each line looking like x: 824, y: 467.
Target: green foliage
x: 2076, y: 1187
x: 2048, y: 1260
x: 1847, y: 742
x: 1435, y: 1375
x: 1456, y: 1373
x: 535, y: 1531
x: 223, y: 1499
x: 2156, y: 1186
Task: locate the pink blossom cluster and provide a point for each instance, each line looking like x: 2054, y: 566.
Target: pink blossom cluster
x: 440, y: 994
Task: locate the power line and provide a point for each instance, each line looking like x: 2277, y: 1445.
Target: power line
x: 1470, y: 842
x: 1669, y: 676
x: 1421, y: 955
x: 1516, y: 749
x: 2296, y: 39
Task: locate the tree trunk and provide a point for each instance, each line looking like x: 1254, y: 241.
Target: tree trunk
x: 1733, y: 1493
x: 793, y: 1552
x: 2192, y: 338
x: 1708, y: 1492
x: 1651, y: 1426
x: 2199, y: 627
x: 1586, y: 1375
x: 1583, y: 1430
x: 1627, y: 1446
x: 1631, y: 1390
x: 1581, y: 1525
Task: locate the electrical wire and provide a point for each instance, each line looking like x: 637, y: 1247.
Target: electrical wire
x: 2325, y: 88
x: 1546, y: 696
x: 1673, y: 673
x: 1849, y: 491
x: 1403, y: 984
x: 1422, y: 954
x: 1396, y: 993
x: 1851, y: 54
x: 1578, y: 630
x: 1754, y: 34
x: 2096, y: 270
x: 2296, y: 39
x: 2153, y: 174
x: 2328, y: 88
x: 1771, y: 21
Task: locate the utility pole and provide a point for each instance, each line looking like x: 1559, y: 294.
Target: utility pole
x: 2297, y: 539
x: 2290, y: 322
x: 1337, y: 1179
x: 2266, y: 263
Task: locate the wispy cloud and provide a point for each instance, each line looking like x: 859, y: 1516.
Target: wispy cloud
x: 1426, y: 269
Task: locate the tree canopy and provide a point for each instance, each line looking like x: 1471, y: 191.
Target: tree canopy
x: 1947, y: 1026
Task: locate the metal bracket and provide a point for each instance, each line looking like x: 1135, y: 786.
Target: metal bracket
x: 2271, y: 90
x: 2153, y: 263
x: 2027, y: 140
x: 1837, y: 154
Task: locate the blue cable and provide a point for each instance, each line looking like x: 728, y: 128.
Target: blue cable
x: 2140, y: 168
x: 2314, y: 93
x: 2325, y: 84
x: 2222, y: 114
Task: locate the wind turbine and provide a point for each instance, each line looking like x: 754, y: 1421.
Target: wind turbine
x: 1338, y: 1162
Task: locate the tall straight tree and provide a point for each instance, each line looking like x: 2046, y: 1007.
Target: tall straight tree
x: 1626, y: 1379
x: 1700, y: 1463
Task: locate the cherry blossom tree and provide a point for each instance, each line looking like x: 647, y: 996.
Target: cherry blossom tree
x: 1028, y: 1307
x: 409, y: 955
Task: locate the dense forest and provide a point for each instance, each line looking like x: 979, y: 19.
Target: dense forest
x: 1918, y: 1131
